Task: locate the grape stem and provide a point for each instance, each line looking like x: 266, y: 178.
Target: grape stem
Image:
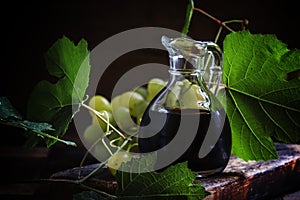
x: 88, y: 151
x: 101, y: 165
x: 107, y: 148
x: 99, y: 191
x: 104, y: 163
x: 103, y: 119
x: 219, y: 22
x: 42, y: 134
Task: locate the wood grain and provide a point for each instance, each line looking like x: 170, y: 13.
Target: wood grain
x: 240, y: 180
x: 257, y: 180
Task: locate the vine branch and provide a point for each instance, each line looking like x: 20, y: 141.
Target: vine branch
x: 189, y: 14
x: 219, y: 22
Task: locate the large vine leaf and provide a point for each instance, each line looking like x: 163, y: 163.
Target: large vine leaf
x: 11, y: 117
x: 261, y: 104
x: 175, y: 182
x: 52, y: 102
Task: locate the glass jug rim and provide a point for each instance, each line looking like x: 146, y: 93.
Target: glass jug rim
x: 186, y: 46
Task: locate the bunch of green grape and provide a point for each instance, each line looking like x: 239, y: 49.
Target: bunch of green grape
x: 186, y: 95
x: 117, y: 120
x: 113, y: 122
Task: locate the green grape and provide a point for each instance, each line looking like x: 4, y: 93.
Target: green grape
x: 154, y: 86
x: 115, y: 102
x: 142, y: 91
x: 130, y: 99
x: 92, y: 133
x: 139, y: 119
x: 123, y: 119
x: 106, y: 115
x: 200, y: 95
x: 117, y: 159
x: 134, y: 101
x: 99, y: 102
x: 139, y: 108
x: 173, y: 95
x: 192, y: 96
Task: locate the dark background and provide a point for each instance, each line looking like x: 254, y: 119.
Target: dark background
x: 28, y: 29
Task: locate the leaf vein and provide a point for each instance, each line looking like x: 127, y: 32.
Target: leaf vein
x: 273, y: 120
x: 68, y: 77
x: 248, y: 125
x: 264, y: 100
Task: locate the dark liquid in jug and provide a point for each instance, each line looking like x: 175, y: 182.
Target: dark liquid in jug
x: 166, y: 125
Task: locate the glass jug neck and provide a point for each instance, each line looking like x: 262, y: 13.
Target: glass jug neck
x: 180, y: 65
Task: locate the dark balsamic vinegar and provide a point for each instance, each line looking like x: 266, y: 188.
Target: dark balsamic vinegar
x: 185, y: 121
x: 166, y: 125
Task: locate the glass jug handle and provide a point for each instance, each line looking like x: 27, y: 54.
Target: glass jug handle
x: 214, y: 61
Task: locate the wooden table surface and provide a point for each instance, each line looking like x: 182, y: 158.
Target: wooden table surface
x: 240, y: 180
x: 257, y: 180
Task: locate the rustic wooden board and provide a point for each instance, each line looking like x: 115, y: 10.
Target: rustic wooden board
x: 257, y: 180
x: 240, y: 180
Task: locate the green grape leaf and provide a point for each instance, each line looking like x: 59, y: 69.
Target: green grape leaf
x: 11, y: 117
x: 53, y: 102
x: 175, y: 182
x: 7, y: 110
x: 262, y: 106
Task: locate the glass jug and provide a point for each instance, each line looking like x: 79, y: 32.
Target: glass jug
x: 185, y: 121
